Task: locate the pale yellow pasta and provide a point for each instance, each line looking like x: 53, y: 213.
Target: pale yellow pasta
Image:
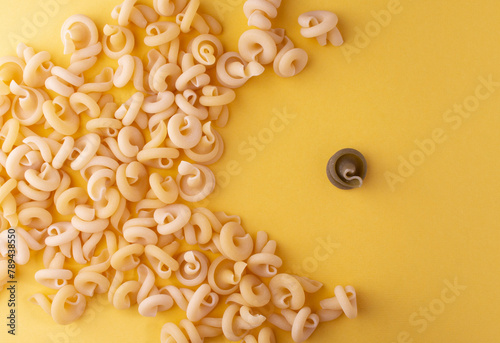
x: 225, y: 275
x: 193, y: 268
x: 303, y: 323
x: 161, y: 260
x: 193, y: 75
x: 206, y: 49
x: 164, y: 188
x: 117, y: 41
x: 186, y: 18
x: 86, y: 220
x: 287, y: 292
x: 127, y: 257
x: 264, y: 264
x: 195, y: 181
x: 187, y: 102
x: 103, y: 82
x: 201, y: 303
x: 27, y: 103
x: 254, y: 291
x: 129, y: 68
x: 186, y: 332
x: 210, y: 147
x: 260, y: 12
x: 168, y: 8
x: 55, y: 276
x: 290, y: 60
x: 130, y: 12
x: 11, y: 69
x: 233, y: 326
x: 344, y: 302
x: 235, y: 243
x: 132, y: 180
x: 164, y: 76
x: 321, y: 25
x: 140, y: 231
x: 37, y: 69
x: 157, y: 103
x: 172, y: 218
x: 257, y: 45
x: 184, y: 130
x: 84, y: 150
x: 266, y: 335
x: 78, y: 32
x: 234, y: 72
x: 160, y: 33
x: 60, y: 115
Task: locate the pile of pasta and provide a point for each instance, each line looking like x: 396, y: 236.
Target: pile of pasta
x: 102, y: 188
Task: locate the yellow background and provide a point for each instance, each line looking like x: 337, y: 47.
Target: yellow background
x: 397, y: 247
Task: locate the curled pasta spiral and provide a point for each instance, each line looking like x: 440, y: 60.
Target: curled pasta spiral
x: 165, y: 189
x: 38, y: 66
x: 224, y: 275
x: 27, y: 104
x: 201, y: 303
x: 188, y: 103
x: 78, y: 32
x: 344, y: 301
x: 195, y: 181
x: 235, y: 243
x: 172, y: 218
x: 168, y: 8
x: 193, y: 268
x: 321, y: 25
x: 130, y: 12
x: 301, y: 324
x: 238, y: 320
x: 210, y: 147
x: 287, y: 292
x: 290, y: 60
x: 117, y: 41
x: 161, y: 260
x: 254, y: 291
x: 60, y: 116
x: 55, y: 276
x: 257, y: 45
x: 184, y: 130
x: 206, y: 49
x: 193, y: 75
x: 260, y: 12
x: 185, y: 332
x: 132, y: 181
x: 11, y: 69
x: 234, y: 72
x: 129, y: 68
x: 266, y: 335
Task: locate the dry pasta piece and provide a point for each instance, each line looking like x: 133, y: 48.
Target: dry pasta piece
x: 78, y: 32
x: 168, y: 8
x: 260, y: 12
x: 224, y: 275
x: 117, y: 41
x: 206, y: 49
x: 195, y: 181
x: 321, y: 25
x: 257, y: 45
x: 234, y: 72
x: 130, y: 12
x: 193, y: 268
x: 287, y: 292
x: 344, y: 301
x: 289, y: 61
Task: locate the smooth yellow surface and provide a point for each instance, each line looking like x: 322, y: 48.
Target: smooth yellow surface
x: 399, y: 247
